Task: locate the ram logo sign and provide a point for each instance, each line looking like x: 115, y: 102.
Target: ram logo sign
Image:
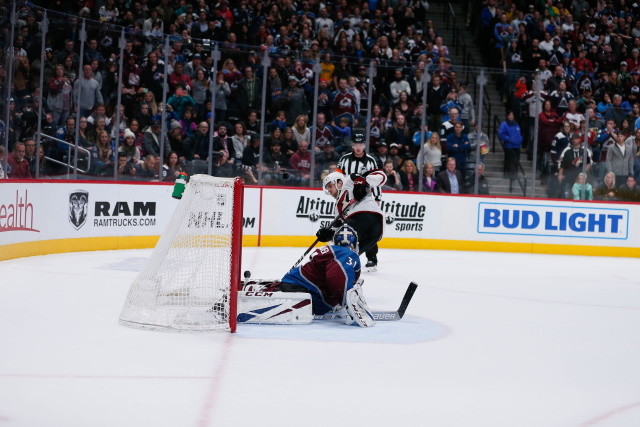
x: 554, y: 221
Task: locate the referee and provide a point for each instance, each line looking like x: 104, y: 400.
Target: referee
x: 357, y: 161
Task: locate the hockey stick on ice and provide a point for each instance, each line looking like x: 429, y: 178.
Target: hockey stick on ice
x: 381, y: 316
x: 340, y: 217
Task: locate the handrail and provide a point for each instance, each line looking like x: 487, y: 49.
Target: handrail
x: 68, y: 165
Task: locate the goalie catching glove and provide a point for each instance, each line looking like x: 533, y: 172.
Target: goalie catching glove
x: 360, y: 186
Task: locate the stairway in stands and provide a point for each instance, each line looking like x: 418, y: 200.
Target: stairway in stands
x: 467, y: 59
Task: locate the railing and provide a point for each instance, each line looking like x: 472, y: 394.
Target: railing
x: 68, y: 164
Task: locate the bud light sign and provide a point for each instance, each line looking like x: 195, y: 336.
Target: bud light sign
x: 554, y: 221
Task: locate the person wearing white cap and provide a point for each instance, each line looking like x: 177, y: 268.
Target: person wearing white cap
x: 129, y: 147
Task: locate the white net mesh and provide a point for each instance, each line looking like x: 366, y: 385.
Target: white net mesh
x: 186, y: 282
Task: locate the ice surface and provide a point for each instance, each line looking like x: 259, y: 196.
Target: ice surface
x: 490, y: 339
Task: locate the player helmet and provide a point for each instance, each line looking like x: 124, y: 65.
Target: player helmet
x: 332, y: 178
x: 346, y: 236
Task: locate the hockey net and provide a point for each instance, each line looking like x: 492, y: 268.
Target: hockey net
x: 191, y: 280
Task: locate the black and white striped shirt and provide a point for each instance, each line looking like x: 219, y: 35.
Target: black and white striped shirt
x: 349, y: 164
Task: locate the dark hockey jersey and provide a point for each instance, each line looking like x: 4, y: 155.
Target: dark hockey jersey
x: 329, y: 274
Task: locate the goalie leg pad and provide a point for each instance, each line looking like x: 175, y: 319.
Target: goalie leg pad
x: 274, y: 308
x: 358, y: 309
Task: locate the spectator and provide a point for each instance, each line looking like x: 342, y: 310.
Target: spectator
x: 222, y: 142
x: 30, y: 154
x: 342, y: 134
x: 608, y: 191
x: 560, y: 98
x: 429, y: 180
x: 323, y: 132
x: 129, y: 148
x: 606, y: 138
x: 151, y: 141
x: 188, y: 122
x: 102, y: 157
x: 175, y: 137
x: 549, y: 123
x: 483, y: 184
x: 300, y: 130
x: 616, y: 112
x: 181, y: 100
x: 620, y: 159
x: 300, y: 162
x: 3, y: 174
x: 400, y: 134
x: 153, y: 75
x: 178, y: 77
x: 436, y: 93
x: 295, y: 100
x: 571, y: 164
x: 467, y: 114
x: 276, y: 163
x: 18, y: 164
x: 381, y: 155
x: 409, y: 176
x: 572, y: 115
x: 629, y: 191
x: 432, y: 152
x: 126, y: 168
x: 446, y: 128
x: 511, y: 140
x: 343, y: 103
x: 89, y: 89
x: 146, y: 171
x: 222, y: 94
x: 582, y: 190
x: 249, y: 91
x: 240, y: 140
x: 398, y: 85
x: 326, y: 157
x: 393, y: 182
x: 59, y: 99
x: 459, y: 146
x: 450, y: 180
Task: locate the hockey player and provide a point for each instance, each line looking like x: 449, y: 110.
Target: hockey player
x: 355, y: 201
x: 331, y: 276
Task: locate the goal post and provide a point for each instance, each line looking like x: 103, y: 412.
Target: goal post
x: 192, y: 278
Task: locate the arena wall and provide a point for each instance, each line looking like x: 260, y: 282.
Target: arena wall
x: 46, y: 217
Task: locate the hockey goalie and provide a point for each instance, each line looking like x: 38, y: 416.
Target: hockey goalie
x: 329, y: 282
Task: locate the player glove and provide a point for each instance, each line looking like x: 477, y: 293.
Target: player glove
x: 324, y: 234
x: 360, y: 186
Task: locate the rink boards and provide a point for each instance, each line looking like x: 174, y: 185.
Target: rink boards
x: 66, y: 216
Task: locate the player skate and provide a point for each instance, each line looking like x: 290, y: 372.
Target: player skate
x: 357, y: 308
x: 372, y: 264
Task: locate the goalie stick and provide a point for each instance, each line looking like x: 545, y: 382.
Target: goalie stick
x: 381, y: 316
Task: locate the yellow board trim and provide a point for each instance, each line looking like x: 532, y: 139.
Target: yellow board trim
x: 84, y: 244
x: 44, y: 247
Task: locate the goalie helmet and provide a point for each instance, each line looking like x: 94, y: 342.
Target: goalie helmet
x: 346, y: 236
x: 332, y: 178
